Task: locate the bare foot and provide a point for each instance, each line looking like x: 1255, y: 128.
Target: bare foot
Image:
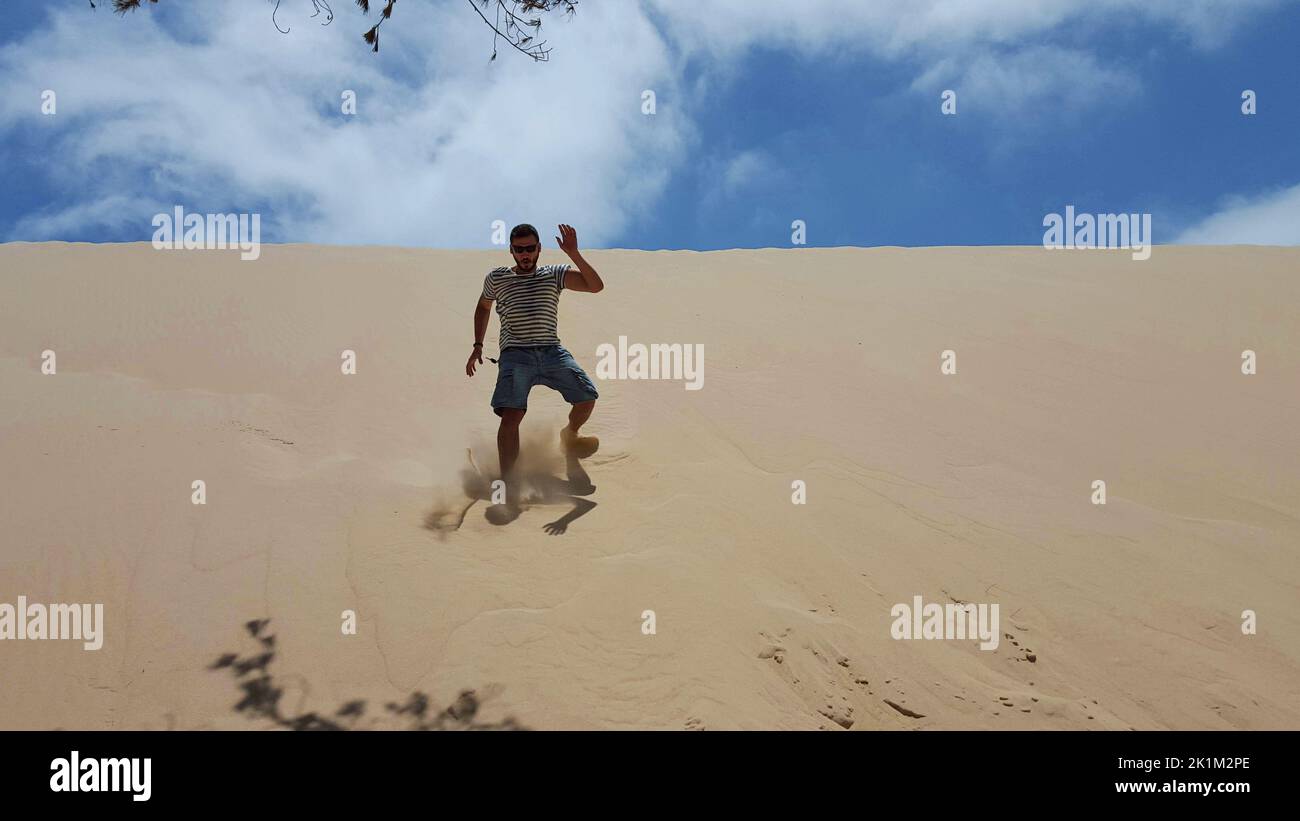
x: 502, y: 514
x: 508, y: 510
x: 580, y: 446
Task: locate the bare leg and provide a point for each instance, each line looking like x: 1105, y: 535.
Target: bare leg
x: 508, y: 444
x: 571, y: 442
x: 579, y: 414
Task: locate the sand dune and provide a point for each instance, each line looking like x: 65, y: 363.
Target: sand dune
x: 329, y: 492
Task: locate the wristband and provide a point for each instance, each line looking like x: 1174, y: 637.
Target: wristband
x: 478, y: 344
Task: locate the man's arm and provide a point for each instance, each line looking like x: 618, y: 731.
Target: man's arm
x: 583, y: 277
x: 481, y: 315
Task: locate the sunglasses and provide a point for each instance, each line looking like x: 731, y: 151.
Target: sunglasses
x: 523, y: 249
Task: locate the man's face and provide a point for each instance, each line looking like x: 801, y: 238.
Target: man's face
x: 525, y: 259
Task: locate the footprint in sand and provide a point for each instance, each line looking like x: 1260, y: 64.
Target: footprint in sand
x: 819, y: 675
x: 900, y: 708
x: 840, y: 715
x: 1030, y: 656
x: 772, y: 649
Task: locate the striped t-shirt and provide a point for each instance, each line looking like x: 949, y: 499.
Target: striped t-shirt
x: 527, y: 305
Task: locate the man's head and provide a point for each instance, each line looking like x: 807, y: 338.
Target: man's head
x: 525, y: 247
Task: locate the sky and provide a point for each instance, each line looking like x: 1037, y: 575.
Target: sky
x: 765, y: 112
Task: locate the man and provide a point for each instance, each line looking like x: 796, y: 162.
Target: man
x: 528, y: 300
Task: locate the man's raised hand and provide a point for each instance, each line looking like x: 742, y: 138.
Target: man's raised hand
x: 568, y: 239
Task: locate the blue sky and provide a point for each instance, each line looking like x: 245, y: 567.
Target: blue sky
x: 763, y: 115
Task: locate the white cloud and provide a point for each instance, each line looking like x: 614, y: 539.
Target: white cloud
x: 994, y: 50
x: 745, y: 168
x: 1270, y: 219
x: 112, y: 211
x: 1018, y: 84
x: 730, y: 181
x: 231, y: 115
x: 900, y: 28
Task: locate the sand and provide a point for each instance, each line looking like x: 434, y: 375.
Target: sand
x: 328, y: 492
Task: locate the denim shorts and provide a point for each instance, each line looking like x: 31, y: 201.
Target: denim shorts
x: 518, y: 369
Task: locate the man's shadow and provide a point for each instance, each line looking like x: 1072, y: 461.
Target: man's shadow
x: 542, y: 488
x: 537, y: 487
